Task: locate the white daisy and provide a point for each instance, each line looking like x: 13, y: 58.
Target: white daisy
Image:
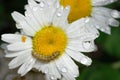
x: 48, y: 42
x: 100, y: 17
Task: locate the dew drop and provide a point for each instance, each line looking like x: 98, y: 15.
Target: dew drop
x: 46, y: 71
x: 87, y: 20
x: 112, y: 1
x: 115, y: 14
x: 67, y: 8
x: 52, y: 77
x: 18, y: 25
x: 76, y: 76
x: 27, y: 14
x: 64, y: 70
x: 97, y: 26
x: 59, y: 14
x: 35, y: 8
x: 84, y: 61
x: 102, y: 29
x: 113, y: 22
x: 87, y: 44
x: 42, y: 4
x: 58, y: 67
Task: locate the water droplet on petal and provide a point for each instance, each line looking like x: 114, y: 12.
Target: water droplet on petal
x: 87, y: 45
x: 27, y: 14
x: 113, y: 22
x: 67, y: 7
x: 64, y: 70
x: 52, y: 77
x: 97, y: 26
x: 75, y: 76
x: 87, y: 20
x: 112, y: 1
x: 115, y: 14
x: 42, y: 4
x: 84, y: 61
x: 18, y: 25
x: 59, y: 14
x: 35, y: 8
x: 102, y: 29
x: 46, y: 71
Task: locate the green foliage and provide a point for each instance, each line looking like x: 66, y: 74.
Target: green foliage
x: 112, y: 43
x: 99, y: 72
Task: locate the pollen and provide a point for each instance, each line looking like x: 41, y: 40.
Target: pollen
x: 49, y: 43
x: 78, y: 8
x: 23, y: 39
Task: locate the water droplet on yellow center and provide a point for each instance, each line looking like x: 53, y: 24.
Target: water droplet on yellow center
x: 78, y: 8
x: 49, y: 43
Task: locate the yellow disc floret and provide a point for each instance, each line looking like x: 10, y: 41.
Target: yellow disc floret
x: 78, y: 8
x: 49, y: 43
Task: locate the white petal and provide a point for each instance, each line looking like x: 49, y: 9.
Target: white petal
x: 53, y: 72
x: 19, y: 46
x: 20, y: 59
x: 12, y: 38
x: 47, y: 77
x: 60, y: 17
x: 78, y: 29
x: 102, y: 2
x: 37, y: 65
x: 106, y: 15
x: 103, y: 17
x: 84, y: 44
x: 15, y: 54
x: 20, y: 19
x: 27, y: 66
x: 35, y: 13
x: 49, y: 68
x: 32, y: 21
x: 67, y: 67
x: 77, y: 25
x: 43, y: 11
x: 92, y: 29
x: 115, y: 14
x: 106, y: 12
x: 44, y: 68
x: 79, y: 57
x: 113, y: 22
x: 101, y: 25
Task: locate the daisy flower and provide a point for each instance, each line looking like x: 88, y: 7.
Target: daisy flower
x: 48, y: 43
x: 100, y: 17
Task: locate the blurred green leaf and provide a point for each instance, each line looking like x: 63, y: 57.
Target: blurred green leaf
x: 112, y: 43
x: 99, y: 72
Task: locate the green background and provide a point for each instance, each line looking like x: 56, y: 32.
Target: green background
x: 106, y: 61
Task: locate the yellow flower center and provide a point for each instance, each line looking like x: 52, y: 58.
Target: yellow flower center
x: 78, y: 8
x: 49, y: 43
